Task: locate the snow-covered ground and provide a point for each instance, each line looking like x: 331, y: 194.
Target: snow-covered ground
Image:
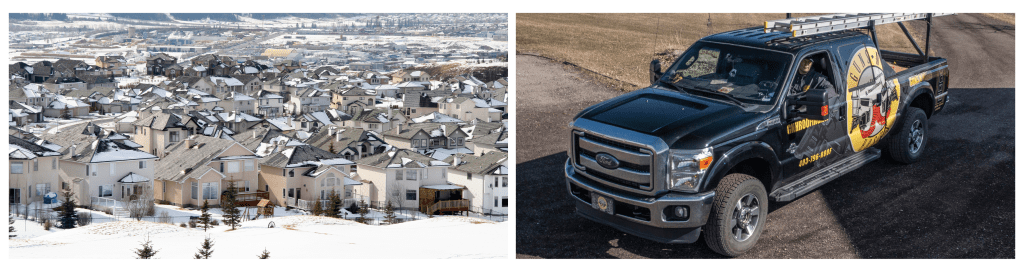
x: 295, y: 236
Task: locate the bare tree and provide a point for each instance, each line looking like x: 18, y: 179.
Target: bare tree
x: 396, y: 197
x: 141, y: 205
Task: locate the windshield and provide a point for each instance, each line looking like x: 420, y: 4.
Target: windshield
x: 745, y: 74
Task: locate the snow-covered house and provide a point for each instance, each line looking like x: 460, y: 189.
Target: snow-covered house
x: 377, y: 120
x: 34, y: 171
x: 342, y: 97
x: 100, y: 168
x: 66, y: 107
x: 270, y: 105
x: 485, y: 178
x: 409, y: 180
x: 309, y: 99
x: 425, y: 136
x: 201, y: 168
x: 487, y: 137
x: 303, y: 174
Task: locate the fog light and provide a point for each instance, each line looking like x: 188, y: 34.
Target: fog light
x: 677, y: 213
x: 681, y: 212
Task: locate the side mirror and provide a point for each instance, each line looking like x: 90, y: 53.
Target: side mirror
x: 655, y: 71
x: 815, y: 102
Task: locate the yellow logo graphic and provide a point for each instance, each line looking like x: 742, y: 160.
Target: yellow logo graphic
x: 916, y: 79
x: 872, y: 101
x: 801, y: 125
x: 812, y: 158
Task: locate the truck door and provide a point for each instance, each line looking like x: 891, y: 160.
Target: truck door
x: 812, y: 144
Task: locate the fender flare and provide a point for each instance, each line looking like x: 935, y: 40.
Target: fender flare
x: 740, y: 153
x: 924, y: 88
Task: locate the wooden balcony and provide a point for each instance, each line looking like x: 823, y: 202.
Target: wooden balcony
x: 446, y: 206
x: 249, y: 198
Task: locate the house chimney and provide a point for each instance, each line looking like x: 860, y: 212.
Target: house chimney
x: 190, y: 141
x: 456, y: 160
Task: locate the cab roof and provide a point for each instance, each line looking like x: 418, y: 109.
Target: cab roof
x: 782, y: 41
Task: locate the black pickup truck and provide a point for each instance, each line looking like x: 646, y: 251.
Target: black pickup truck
x: 729, y: 126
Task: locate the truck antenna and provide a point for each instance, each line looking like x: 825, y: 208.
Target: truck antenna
x: 710, y: 28
x: 654, y: 47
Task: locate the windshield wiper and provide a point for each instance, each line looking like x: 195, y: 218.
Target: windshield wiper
x: 694, y: 87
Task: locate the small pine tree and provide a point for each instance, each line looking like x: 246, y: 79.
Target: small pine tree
x: 204, y: 219
x: 363, y: 210
x: 230, y: 207
x: 146, y: 252
x: 265, y: 255
x: 389, y: 214
x: 206, y: 250
x: 334, y: 205
x: 68, y: 215
x: 318, y: 209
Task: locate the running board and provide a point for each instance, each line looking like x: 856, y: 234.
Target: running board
x: 821, y: 177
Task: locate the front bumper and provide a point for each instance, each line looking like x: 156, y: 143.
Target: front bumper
x: 653, y: 225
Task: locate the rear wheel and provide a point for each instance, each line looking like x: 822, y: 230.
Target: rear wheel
x: 907, y: 144
x: 738, y: 215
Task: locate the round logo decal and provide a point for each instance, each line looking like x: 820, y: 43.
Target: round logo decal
x: 872, y: 102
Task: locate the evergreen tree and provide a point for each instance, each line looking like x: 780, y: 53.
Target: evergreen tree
x: 68, y: 215
x: 334, y: 205
x: 389, y: 214
x: 206, y: 250
x: 331, y: 148
x: 363, y: 210
x: 146, y: 252
x: 318, y: 209
x: 230, y: 207
x: 204, y: 218
x: 265, y: 255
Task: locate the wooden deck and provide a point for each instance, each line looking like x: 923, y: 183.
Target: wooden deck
x: 246, y: 199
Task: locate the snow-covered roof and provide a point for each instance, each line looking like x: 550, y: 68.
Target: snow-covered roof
x: 443, y: 187
x: 133, y: 178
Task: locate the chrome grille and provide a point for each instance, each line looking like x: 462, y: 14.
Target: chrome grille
x: 634, y: 170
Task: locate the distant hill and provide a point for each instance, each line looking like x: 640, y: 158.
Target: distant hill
x: 38, y: 16
x: 142, y: 16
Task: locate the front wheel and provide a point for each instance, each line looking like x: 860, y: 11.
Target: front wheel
x: 738, y: 215
x: 907, y: 144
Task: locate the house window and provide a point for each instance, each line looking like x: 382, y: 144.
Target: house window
x: 142, y: 164
x: 210, y: 190
x: 469, y: 175
x: 460, y: 142
x: 174, y: 136
x: 106, y: 190
x: 495, y: 181
x: 42, y: 189
x: 504, y: 201
x: 410, y: 175
x: 54, y: 163
x: 195, y: 190
x: 233, y: 167
x: 291, y: 192
x: 398, y: 174
x: 410, y: 194
x: 249, y: 165
x: 245, y: 187
x: 495, y: 201
x: 35, y: 165
x: 16, y: 168
x: 221, y: 166
x: 291, y: 173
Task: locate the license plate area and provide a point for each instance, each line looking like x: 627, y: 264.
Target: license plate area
x: 603, y: 203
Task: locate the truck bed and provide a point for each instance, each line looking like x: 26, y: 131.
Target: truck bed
x: 903, y: 61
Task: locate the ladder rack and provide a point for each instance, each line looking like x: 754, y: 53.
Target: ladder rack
x: 841, y: 21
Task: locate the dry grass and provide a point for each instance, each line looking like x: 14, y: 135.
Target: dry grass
x: 1005, y: 17
x: 621, y: 46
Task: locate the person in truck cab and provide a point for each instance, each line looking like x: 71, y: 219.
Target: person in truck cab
x: 806, y: 79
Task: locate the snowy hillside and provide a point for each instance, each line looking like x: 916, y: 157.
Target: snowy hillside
x: 293, y: 237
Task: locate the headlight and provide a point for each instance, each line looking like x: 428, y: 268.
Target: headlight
x: 686, y: 169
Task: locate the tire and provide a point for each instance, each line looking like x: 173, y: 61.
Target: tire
x: 736, y: 192
x: 909, y: 141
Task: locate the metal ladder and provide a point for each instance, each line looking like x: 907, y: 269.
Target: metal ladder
x: 811, y: 25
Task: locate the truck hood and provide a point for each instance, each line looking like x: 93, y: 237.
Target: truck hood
x: 668, y: 114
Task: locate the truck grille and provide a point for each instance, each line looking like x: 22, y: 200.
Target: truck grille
x: 634, y: 170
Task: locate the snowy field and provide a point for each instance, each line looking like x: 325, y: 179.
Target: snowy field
x: 294, y: 237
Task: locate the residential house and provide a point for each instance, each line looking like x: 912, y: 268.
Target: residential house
x: 485, y: 178
x: 303, y: 174
x: 156, y: 131
x: 34, y: 171
x: 156, y: 64
x: 409, y: 180
x: 425, y: 136
x: 351, y: 143
x: 201, y: 168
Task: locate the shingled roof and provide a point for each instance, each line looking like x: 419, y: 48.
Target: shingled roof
x: 303, y: 156
x: 487, y: 164
x: 401, y: 158
x: 183, y: 161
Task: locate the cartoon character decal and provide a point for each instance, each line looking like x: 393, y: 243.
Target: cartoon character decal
x: 872, y: 100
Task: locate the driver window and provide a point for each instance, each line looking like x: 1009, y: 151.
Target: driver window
x: 818, y: 75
